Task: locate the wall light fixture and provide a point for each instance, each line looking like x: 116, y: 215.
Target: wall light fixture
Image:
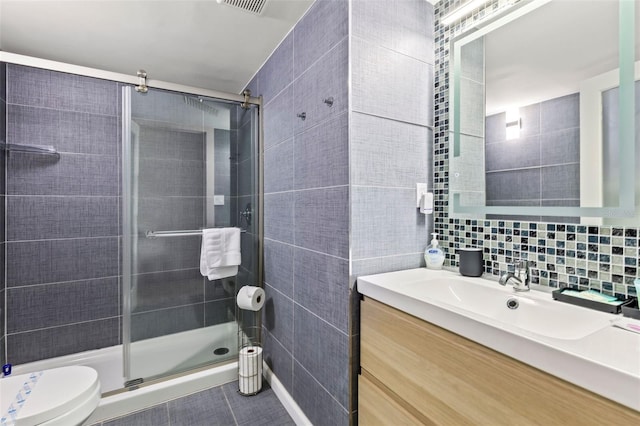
x: 513, y: 123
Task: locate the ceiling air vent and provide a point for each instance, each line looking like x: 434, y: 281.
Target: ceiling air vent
x: 252, y: 6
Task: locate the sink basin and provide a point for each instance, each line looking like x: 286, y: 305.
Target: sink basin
x: 536, y: 313
x: 486, y: 301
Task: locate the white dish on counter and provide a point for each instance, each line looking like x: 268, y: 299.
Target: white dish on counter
x: 577, y: 344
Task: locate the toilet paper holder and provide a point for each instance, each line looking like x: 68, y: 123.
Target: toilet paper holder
x: 249, y: 347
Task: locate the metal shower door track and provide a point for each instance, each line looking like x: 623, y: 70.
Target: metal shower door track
x: 133, y: 79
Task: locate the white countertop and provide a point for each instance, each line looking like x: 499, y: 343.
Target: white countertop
x: 606, y: 361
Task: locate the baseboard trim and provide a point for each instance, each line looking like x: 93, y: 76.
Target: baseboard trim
x: 285, y: 397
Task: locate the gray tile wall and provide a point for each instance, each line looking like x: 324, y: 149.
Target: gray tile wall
x: 314, y: 176
x: 63, y: 279
x: 3, y: 136
x: 603, y: 258
x: 305, y: 322
x: 542, y: 166
x: 391, y: 132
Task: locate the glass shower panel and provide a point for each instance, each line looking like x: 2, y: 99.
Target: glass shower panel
x: 245, y: 189
x: 181, y: 176
x: 245, y: 156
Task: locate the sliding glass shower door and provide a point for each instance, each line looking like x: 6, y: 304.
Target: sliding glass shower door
x: 189, y: 163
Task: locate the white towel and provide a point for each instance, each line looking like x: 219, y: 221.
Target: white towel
x: 220, y: 253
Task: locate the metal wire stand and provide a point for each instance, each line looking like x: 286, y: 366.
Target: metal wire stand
x: 249, y: 352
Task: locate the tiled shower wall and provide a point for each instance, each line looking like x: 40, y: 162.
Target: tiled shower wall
x: 589, y: 256
x: 3, y: 135
x: 171, y: 294
x: 62, y: 215
x: 63, y: 228
x: 169, y: 284
x: 306, y: 335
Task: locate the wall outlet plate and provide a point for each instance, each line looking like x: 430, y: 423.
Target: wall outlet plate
x: 218, y: 200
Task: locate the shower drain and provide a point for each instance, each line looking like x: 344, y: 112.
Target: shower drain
x: 221, y: 351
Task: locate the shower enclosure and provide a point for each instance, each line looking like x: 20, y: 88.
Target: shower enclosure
x: 105, y: 192
x: 189, y: 162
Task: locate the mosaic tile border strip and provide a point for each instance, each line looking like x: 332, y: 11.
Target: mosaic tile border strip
x: 580, y: 256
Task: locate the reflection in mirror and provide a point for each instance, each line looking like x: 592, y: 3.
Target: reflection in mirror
x: 540, y: 130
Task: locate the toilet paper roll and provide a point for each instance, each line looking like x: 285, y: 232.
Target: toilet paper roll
x: 250, y: 361
x: 250, y: 298
x: 249, y: 385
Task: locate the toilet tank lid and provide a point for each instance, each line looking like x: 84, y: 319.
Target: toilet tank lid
x: 44, y: 395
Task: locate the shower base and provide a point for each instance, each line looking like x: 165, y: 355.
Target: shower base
x: 160, y: 356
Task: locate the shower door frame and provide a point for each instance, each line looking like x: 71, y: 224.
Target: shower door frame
x: 30, y: 61
x: 129, y: 233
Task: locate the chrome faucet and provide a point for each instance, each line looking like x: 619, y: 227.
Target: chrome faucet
x: 519, y: 278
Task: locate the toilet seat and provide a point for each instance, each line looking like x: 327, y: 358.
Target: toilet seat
x: 59, y: 396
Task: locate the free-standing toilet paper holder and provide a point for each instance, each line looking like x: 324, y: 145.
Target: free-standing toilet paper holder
x: 249, y: 351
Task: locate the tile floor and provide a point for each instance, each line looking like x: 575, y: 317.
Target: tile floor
x: 216, y: 406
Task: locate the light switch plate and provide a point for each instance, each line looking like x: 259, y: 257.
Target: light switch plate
x: 218, y: 200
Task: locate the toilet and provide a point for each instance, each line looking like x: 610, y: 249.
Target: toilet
x: 60, y: 396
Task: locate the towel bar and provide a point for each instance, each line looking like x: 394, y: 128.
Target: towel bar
x: 186, y: 233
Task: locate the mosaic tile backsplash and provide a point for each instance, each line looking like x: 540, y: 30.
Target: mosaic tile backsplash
x: 600, y: 258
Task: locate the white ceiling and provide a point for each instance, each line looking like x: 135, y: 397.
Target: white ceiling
x: 195, y: 43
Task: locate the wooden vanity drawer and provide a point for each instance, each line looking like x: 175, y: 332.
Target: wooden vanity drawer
x: 375, y: 407
x: 449, y: 379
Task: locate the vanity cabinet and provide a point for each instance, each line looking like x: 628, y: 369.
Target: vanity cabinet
x: 413, y: 372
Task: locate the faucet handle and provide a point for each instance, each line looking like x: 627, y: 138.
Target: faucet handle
x: 522, y: 272
x: 519, y: 276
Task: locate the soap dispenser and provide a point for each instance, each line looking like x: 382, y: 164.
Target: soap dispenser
x: 433, y: 255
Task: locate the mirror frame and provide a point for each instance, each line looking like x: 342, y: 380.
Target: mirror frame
x: 626, y: 48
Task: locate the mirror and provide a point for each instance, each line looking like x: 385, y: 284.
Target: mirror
x: 544, y: 111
